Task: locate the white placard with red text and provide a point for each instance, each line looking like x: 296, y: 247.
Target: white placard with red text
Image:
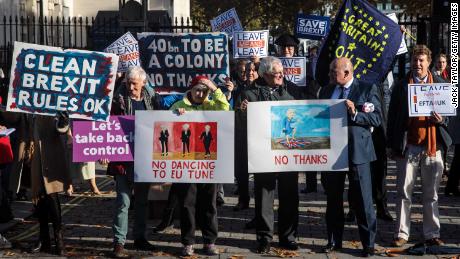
x: 293, y: 136
x: 295, y: 70
x: 196, y: 147
x: 248, y: 44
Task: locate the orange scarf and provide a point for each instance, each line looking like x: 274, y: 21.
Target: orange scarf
x: 421, y: 129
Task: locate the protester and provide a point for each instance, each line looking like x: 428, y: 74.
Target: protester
x: 40, y: 151
x: 131, y: 98
x: 288, y: 45
x: 343, y: 85
x: 416, y: 144
x: 6, y: 157
x: 441, y: 68
x: 199, y: 195
x: 270, y: 86
x: 241, y: 143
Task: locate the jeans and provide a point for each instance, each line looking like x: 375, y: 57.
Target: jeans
x: 124, y: 188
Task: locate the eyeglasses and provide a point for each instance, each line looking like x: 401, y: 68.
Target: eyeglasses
x: 276, y: 74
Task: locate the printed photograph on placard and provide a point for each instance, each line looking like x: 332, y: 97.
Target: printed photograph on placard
x: 185, y: 140
x: 300, y: 127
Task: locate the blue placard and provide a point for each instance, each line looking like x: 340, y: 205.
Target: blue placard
x: 45, y: 80
x: 311, y: 26
x: 171, y: 60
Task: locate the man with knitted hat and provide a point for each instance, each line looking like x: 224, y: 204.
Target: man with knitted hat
x: 416, y: 144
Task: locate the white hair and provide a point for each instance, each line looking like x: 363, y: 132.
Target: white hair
x: 185, y: 127
x: 207, y: 127
x: 136, y: 72
x: 266, y: 65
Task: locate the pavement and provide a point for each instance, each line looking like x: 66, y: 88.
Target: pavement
x: 88, y: 234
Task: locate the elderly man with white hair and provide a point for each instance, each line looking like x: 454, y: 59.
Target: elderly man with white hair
x: 270, y: 86
x: 129, y: 99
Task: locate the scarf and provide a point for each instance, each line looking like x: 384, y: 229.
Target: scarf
x: 421, y: 129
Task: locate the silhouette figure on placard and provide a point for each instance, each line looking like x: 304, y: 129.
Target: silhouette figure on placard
x: 185, y: 138
x: 206, y: 136
x: 164, y: 135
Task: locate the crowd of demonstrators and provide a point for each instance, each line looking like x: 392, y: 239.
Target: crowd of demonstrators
x: 42, y: 157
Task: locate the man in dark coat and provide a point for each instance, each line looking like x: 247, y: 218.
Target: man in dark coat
x: 271, y: 87
x: 164, y: 135
x: 363, y: 107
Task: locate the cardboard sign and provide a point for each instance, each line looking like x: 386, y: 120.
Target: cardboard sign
x: 426, y: 98
x: 248, y: 44
x: 293, y: 136
x: 227, y: 22
x: 127, y: 49
x: 196, y: 147
x: 45, y: 80
x: 311, y: 26
x: 113, y: 140
x: 171, y: 60
x: 295, y: 70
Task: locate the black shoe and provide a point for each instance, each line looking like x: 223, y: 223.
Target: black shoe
x: 290, y: 245
x: 331, y: 248
x: 40, y: 246
x: 384, y: 215
x: 263, y: 247
x: 368, y: 252
x: 350, y: 217
x: 143, y: 245
x: 241, y: 206
x: 162, y: 228
x: 451, y: 192
x: 251, y: 224
x: 219, y: 201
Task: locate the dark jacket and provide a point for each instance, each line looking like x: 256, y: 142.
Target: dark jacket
x: 164, y: 135
x: 398, y: 117
x: 360, y: 145
x: 121, y: 105
x: 185, y: 137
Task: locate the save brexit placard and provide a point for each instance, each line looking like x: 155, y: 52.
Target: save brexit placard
x: 46, y: 79
x: 227, y: 22
x: 171, y: 60
x: 112, y: 140
x: 295, y: 70
x: 293, y: 136
x: 426, y: 98
x: 196, y: 147
x: 127, y: 49
x: 312, y: 27
x: 248, y: 44
x: 364, y: 35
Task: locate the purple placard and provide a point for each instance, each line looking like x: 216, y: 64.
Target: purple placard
x: 113, y: 140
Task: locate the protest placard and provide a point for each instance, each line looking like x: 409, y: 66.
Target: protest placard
x: 403, y: 47
x: 196, y: 147
x: 248, y: 44
x: 127, y: 49
x: 171, y: 60
x: 312, y: 27
x: 46, y: 79
x: 227, y: 22
x: 112, y: 140
x: 295, y: 136
x: 295, y: 70
x: 364, y: 35
x: 426, y: 98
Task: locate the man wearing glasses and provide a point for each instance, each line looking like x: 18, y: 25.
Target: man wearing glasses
x: 270, y: 86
